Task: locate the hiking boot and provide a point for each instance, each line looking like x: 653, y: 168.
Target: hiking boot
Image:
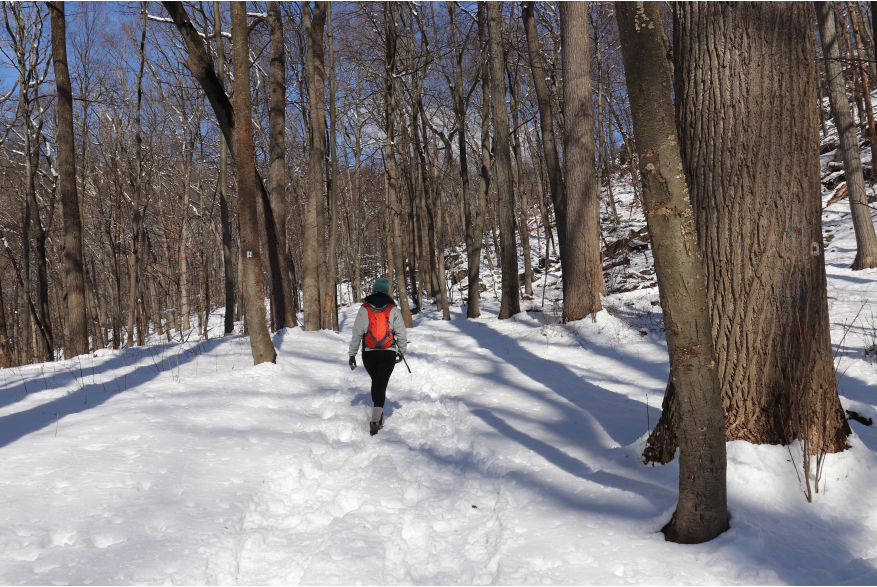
x: 373, y: 427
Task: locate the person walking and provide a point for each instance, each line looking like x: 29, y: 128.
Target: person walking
x: 380, y: 330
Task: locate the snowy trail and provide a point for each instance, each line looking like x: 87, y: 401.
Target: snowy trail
x: 510, y: 455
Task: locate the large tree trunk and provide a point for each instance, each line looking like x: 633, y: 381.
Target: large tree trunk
x: 392, y: 170
x: 333, y: 187
x: 248, y: 191
x: 314, y: 229
x: 473, y: 308
x: 866, y: 239
x: 749, y: 140
x: 546, y: 125
x: 583, y: 261
x: 77, y: 342
x: 281, y: 282
x: 227, y: 254
x: 511, y: 295
x: 702, y: 511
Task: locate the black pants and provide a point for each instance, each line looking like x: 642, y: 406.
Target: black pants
x: 379, y: 365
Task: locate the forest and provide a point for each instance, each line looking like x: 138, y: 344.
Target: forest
x: 166, y: 162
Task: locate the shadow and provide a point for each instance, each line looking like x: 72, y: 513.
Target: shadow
x: 850, y: 278
x: 611, y: 411
x: 365, y: 399
x: 147, y: 363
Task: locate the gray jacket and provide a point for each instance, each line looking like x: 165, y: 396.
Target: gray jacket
x: 360, y: 326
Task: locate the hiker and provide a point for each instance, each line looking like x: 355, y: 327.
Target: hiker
x: 380, y: 330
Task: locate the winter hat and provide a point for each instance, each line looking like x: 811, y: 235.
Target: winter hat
x: 382, y: 285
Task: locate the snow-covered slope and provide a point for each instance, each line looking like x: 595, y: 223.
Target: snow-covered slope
x: 510, y: 455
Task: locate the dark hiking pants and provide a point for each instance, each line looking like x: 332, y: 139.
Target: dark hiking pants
x: 379, y: 365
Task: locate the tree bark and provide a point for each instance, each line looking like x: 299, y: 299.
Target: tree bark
x: 333, y: 186
x: 315, y: 214
x: 248, y: 190
x: 77, y: 343
x: 6, y: 349
x: 473, y: 309
x: 702, y: 511
x: 583, y: 262
x: 227, y: 253
x: 511, y: 295
x: 866, y: 239
x: 866, y: 92
x: 749, y: 141
x: 546, y: 125
x: 392, y: 170
x: 281, y: 283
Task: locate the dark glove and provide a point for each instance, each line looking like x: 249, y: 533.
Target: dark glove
x: 352, y: 363
x: 398, y: 357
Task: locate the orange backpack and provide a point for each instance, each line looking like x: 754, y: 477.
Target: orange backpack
x: 378, y: 335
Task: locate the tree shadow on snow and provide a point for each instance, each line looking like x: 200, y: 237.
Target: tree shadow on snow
x: 613, y: 412
x: 91, y: 388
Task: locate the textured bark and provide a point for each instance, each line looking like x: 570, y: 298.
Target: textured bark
x: 866, y: 92
x: 546, y: 125
x: 473, y: 309
x: 314, y: 214
x: 702, y: 511
x: 77, y: 342
x: 6, y: 357
x: 32, y: 224
x: 520, y: 184
x: 248, y: 191
x: 583, y: 262
x: 333, y: 192
x: 393, y: 201
x: 511, y: 295
x: 749, y: 131
x: 473, y: 241
x: 227, y: 254
x: 281, y: 283
x: 866, y: 239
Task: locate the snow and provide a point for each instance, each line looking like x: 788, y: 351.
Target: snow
x: 510, y: 454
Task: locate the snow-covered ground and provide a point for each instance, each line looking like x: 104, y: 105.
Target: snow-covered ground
x: 511, y: 454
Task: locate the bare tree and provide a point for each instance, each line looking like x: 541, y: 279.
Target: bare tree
x: 582, y: 265
x: 511, y: 294
x: 248, y: 191
x: 866, y: 239
x: 702, y: 511
x: 77, y: 326
x: 759, y: 227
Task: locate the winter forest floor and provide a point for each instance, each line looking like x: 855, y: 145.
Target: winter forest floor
x: 511, y: 454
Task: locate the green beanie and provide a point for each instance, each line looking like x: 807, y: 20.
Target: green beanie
x: 382, y: 284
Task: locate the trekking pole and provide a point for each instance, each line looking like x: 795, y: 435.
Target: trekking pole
x: 406, y: 363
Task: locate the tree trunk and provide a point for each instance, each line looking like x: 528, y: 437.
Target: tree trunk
x: 546, y: 124
x: 392, y: 171
x: 6, y: 349
x: 511, y: 295
x: 524, y: 223
x: 702, y: 511
x: 583, y: 263
x: 473, y: 308
x: 227, y: 253
x: 248, y: 191
x: 866, y: 92
x: 77, y: 343
x: 314, y: 216
x: 866, y: 239
x: 754, y: 181
x: 281, y: 282
x: 333, y: 191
